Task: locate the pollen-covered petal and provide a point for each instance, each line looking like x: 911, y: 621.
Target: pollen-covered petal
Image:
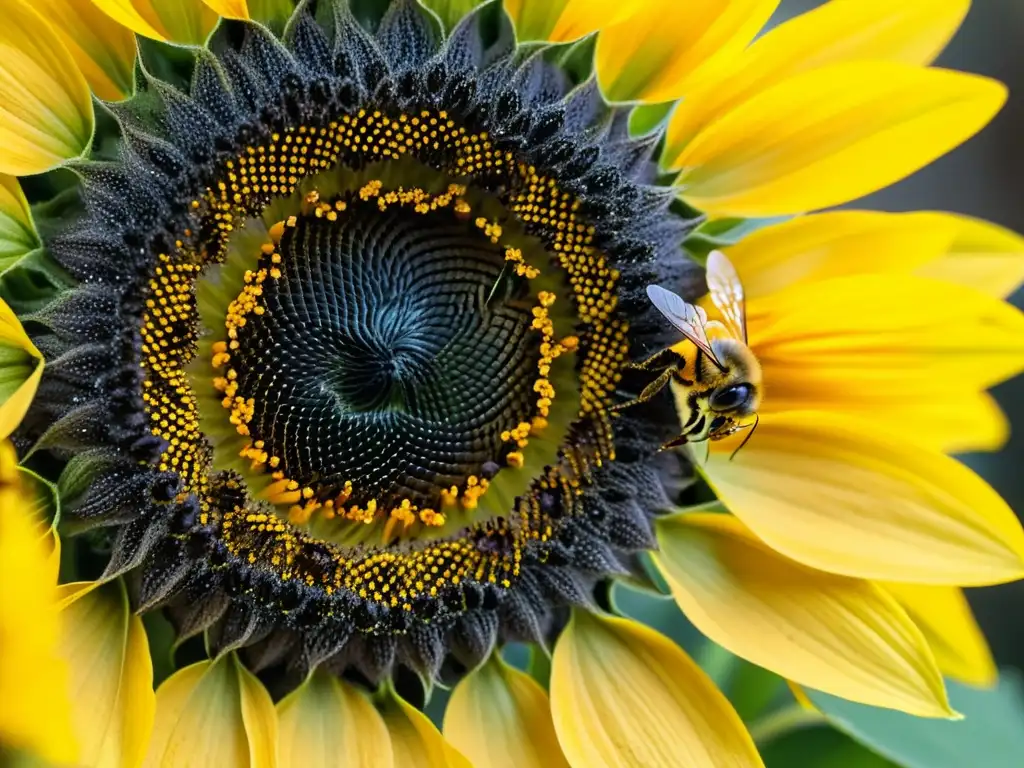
x: 213, y: 713
x: 913, y: 31
x: 46, y: 113
x: 18, y: 236
x: 499, y: 717
x: 231, y: 9
x: 847, y: 498
x: 21, y: 367
x: 838, y: 243
x: 328, y: 722
x: 983, y: 256
x: 661, y: 50
x: 625, y: 696
x: 836, y: 634
x: 112, y: 696
x: 32, y: 673
x: 945, y: 618
x: 415, y: 742
x: 103, y: 48
x: 832, y: 135
x: 874, y: 341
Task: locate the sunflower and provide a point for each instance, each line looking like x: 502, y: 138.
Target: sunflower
x: 329, y: 310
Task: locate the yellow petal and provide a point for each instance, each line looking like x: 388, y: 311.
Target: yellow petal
x: 328, y: 722
x: 662, y: 49
x: 111, y: 677
x: 231, y: 9
x: 17, y: 231
x: 103, y: 49
x: 181, y: 21
x: 873, y: 341
x: 46, y: 112
x: 976, y: 423
x: 886, y: 350
x: 534, y: 21
x: 832, y: 135
x: 415, y: 742
x: 581, y: 17
x: 565, y: 20
x: 624, y: 696
x: 836, y: 496
x: 21, y: 368
x: 213, y: 713
x: 499, y: 717
x: 825, y: 245
x: 983, y: 256
x: 946, y: 620
x: 141, y: 20
x: 840, y: 635
x: 33, y: 676
x: 911, y: 31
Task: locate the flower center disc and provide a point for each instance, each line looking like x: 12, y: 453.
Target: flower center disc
x: 384, y: 358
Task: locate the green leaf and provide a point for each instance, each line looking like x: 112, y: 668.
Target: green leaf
x: 819, y: 747
x: 754, y: 690
x: 990, y: 735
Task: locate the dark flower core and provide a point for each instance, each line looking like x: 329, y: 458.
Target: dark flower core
x: 348, y: 324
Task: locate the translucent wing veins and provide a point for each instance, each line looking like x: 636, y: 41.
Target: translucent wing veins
x: 687, y: 319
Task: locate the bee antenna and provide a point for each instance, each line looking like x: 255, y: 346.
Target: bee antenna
x: 750, y: 434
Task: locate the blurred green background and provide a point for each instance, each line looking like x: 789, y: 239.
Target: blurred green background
x: 983, y: 178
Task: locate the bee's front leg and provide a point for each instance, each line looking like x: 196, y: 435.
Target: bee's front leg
x: 651, y: 389
x: 675, y: 442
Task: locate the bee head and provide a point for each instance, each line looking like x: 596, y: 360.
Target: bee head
x: 733, y: 398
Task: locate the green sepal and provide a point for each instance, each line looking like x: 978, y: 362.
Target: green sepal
x: 722, y: 233
x: 647, y: 118
x: 450, y: 12
x: 576, y: 59
x: 273, y: 13
x: 80, y: 472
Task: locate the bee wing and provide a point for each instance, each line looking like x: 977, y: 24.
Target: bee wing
x: 688, y: 319
x: 727, y: 294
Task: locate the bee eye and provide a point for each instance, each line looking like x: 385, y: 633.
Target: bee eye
x: 731, y: 397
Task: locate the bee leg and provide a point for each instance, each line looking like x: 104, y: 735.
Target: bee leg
x: 650, y: 390
x: 650, y: 362
x: 675, y: 442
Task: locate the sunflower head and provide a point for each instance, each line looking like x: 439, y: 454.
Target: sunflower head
x: 347, y: 324
x: 367, y: 339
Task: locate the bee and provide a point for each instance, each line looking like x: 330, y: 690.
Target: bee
x: 714, y: 377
